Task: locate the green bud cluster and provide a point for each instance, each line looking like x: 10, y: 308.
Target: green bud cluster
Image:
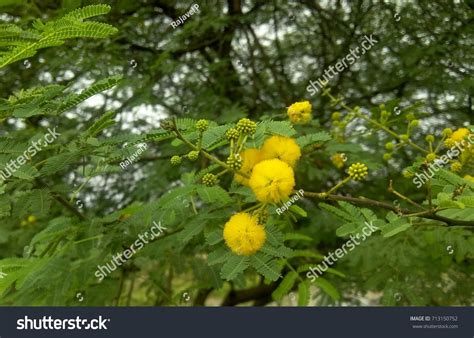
x: 202, y: 125
x: 430, y: 157
x: 175, y: 160
x: 246, y: 126
x: 430, y: 138
x: 447, y: 132
x: 193, y: 155
x: 232, y: 134
x: 358, y: 171
x: 234, y: 162
x: 209, y: 179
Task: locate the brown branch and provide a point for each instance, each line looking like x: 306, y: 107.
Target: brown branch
x: 61, y: 200
x: 429, y: 214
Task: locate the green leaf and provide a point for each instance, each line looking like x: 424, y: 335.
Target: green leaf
x: 234, y: 266
x: 285, y: 286
x: 26, y: 172
x: 298, y: 210
x: 213, y: 194
x: 214, y: 237
x: 306, y: 140
x: 293, y: 236
x: 220, y: 255
x: 303, y: 293
x: 266, y: 266
x: 328, y: 288
x: 395, y: 227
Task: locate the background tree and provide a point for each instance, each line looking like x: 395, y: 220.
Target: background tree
x: 232, y: 59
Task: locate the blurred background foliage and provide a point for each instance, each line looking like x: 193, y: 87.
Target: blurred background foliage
x: 233, y: 59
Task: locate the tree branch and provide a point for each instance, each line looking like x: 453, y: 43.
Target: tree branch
x: 429, y: 214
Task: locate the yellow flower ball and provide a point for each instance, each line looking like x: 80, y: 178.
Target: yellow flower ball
x: 338, y: 160
x: 460, y: 134
x: 282, y: 148
x: 300, y: 112
x: 250, y: 157
x: 32, y: 219
x: 272, y: 181
x: 243, y: 235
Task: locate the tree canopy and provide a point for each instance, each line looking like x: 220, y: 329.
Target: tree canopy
x: 189, y: 161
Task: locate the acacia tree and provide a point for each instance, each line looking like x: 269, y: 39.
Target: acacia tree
x: 250, y: 183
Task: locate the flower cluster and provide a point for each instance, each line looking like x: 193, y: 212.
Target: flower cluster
x: 300, y: 112
x: 268, y: 171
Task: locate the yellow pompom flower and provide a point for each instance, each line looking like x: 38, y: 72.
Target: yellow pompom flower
x: 243, y: 235
x: 460, y: 134
x: 272, y: 180
x: 32, y: 219
x: 300, y: 112
x: 282, y: 148
x: 457, y: 137
x: 250, y: 157
x: 338, y: 160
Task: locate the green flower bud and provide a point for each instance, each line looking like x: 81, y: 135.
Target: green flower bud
x: 387, y: 156
x: 175, y: 160
x: 430, y: 157
x: 456, y: 167
x: 404, y: 137
x: 232, y: 134
x: 246, y: 126
x: 410, y: 116
x: 209, y: 179
x: 336, y: 116
x: 447, y: 132
x: 407, y: 173
x: 358, y: 171
x: 414, y: 123
x: 430, y: 138
x: 234, y: 162
x: 202, y: 125
x: 193, y: 155
x: 389, y: 146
